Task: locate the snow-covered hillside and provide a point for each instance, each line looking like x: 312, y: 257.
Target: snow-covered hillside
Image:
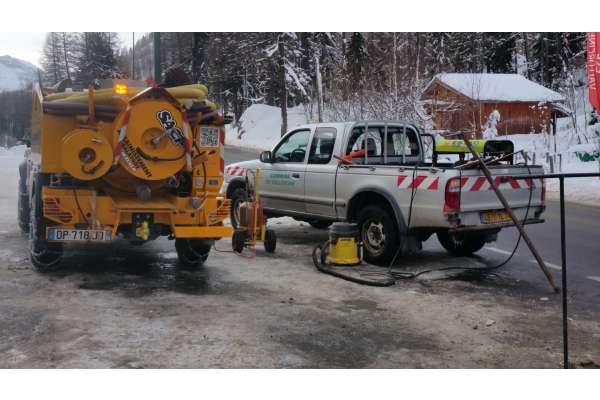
x: 15, y: 74
x: 260, y: 126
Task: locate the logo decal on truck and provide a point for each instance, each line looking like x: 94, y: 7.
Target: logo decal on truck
x: 170, y: 126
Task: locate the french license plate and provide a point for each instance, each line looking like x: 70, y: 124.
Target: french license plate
x: 494, y: 217
x: 78, y: 235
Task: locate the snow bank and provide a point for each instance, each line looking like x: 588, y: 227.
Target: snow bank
x: 260, y: 126
x: 11, y: 157
x: 577, y: 190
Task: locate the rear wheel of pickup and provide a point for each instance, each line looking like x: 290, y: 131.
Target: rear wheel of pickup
x: 45, y: 256
x: 192, y: 252
x: 379, y: 234
x: 459, y: 244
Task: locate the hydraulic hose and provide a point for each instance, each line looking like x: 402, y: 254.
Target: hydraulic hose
x: 321, y: 265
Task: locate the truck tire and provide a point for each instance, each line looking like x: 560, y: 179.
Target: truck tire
x: 320, y: 223
x: 23, y: 200
x: 192, y: 253
x: 238, y: 240
x: 460, y: 245
x: 238, y: 196
x: 379, y: 234
x: 45, y: 256
x: 270, y: 242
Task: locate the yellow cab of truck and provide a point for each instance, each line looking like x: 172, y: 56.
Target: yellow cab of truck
x: 124, y: 160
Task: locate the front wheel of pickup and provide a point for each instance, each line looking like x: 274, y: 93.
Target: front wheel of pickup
x: 379, y: 234
x: 459, y: 244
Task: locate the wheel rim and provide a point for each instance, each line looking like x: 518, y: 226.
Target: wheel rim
x: 373, y: 236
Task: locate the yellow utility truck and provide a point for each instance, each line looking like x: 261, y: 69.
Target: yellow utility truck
x: 123, y: 160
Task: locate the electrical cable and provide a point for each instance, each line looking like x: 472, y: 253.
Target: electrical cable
x: 411, y: 275
x: 79, y: 207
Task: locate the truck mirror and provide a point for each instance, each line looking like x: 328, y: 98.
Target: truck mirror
x: 265, y: 157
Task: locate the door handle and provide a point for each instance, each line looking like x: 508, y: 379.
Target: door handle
x: 296, y: 175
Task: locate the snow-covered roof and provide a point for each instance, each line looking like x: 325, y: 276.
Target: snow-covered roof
x: 497, y: 87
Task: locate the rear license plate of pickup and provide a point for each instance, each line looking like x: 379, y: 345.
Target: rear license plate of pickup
x: 494, y: 217
x: 78, y: 235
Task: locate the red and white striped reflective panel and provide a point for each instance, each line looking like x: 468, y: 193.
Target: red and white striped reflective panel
x: 467, y: 184
x: 420, y: 182
x: 480, y: 183
x: 234, y: 170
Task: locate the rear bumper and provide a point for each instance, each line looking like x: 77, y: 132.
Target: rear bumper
x: 477, y: 228
x: 165, y: 215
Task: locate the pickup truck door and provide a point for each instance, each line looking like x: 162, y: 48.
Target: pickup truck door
x: 320, y: 173
x: 282, y: 182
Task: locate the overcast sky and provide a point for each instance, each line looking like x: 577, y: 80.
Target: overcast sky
x: 28, y: 45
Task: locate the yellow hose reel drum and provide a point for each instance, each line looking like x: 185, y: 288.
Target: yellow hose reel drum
x: 153, y: 146
x: 86, y: 154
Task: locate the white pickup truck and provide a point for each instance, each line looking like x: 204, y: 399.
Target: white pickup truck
x: 396, y: 188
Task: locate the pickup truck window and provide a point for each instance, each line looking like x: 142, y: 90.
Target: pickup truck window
x: 321, y: 148
x: 292, y: 148
x: 402, y: 142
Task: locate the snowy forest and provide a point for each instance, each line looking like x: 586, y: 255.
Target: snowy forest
x: 334, y: 75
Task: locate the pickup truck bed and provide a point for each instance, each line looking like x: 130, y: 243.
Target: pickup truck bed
x: 397, y: 196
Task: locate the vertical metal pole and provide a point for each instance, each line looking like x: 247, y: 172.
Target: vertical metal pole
x: 385, y: 143
x: 133, y: 55
x: 563, y: 249
x: 366, y: 143
x: 157, y: 69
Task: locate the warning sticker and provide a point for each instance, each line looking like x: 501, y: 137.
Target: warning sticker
x: 209, y: 137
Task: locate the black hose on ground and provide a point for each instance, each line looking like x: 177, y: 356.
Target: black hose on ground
x: 322, y: 266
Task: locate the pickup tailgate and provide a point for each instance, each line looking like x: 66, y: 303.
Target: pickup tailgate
x: 476, y: 193
x: 480, y: 207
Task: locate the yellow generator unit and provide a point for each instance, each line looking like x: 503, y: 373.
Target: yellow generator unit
x: 343, y: 244
x: 124, y: 161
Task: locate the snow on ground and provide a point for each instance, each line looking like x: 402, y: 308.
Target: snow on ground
x: 577, y: 190
x: 260, y: 126
x: 9, y: 178
x: 11, y: 157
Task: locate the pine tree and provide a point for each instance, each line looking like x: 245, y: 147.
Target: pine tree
x: 96, y: 57
x: 52, y: 59
x: 500, y: 52
x: 356, y: 54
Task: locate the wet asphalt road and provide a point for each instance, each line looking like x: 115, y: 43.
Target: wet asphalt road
x: 583, y: 248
